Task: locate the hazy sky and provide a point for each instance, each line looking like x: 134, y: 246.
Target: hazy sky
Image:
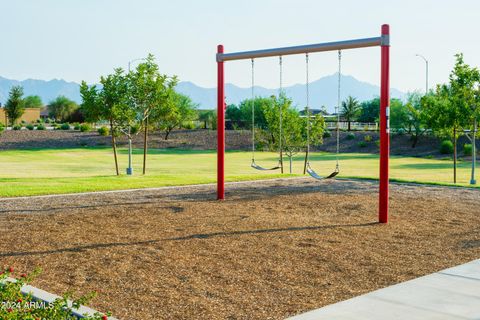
x: 83, y: 39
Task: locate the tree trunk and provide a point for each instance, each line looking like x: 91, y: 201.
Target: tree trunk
x: 145, y: 137
x: 305, y: 163
x: 290, y: 159
x: 167, y: 133
x: 281, y: 160
x: 454, y: 155
x: 114, y: 146
x: 414, y: 140
x: 349, y: 128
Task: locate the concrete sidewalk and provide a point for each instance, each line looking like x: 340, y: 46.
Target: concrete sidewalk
x: 448, y: 294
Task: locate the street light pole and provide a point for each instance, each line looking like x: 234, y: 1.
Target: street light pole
x: 474, y: 153
x: 130, y: 169
x: 426, y: 71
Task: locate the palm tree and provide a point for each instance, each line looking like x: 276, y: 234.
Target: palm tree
x: 350, y: 110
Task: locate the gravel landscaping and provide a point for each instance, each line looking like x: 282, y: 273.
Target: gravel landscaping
x: 206, y: 140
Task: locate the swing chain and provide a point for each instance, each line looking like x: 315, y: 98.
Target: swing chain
x: 253, y: 110
x: 338, y: 104
x: 307, y: 107
x: 280, y: 95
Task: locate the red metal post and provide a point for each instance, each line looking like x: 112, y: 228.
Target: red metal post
x: 384, y: 124
x: 220, y: 128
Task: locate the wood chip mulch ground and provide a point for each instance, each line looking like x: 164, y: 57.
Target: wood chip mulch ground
x: 271, y: 250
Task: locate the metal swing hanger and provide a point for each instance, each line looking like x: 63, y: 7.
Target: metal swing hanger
x: 308, y: 168
x: 254, y: 165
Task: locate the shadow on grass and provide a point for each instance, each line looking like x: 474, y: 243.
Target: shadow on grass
x: 429, y: 166
x: 333, y: 157
x: 80, y: 249
x: 168, y: 151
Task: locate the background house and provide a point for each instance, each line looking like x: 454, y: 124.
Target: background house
x: 30, y: 115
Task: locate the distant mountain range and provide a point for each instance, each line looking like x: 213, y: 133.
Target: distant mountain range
x: 47, y: 90
x: 323, y: 92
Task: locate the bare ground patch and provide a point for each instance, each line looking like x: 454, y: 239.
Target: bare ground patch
x: 271, y: 250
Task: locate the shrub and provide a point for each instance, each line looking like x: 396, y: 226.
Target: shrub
x: 30, y: 126
x: 467, y: 149
x: 401, y: 132
x: 103, y: 131
x: 362, y: 144
x: 76, y: 126
x: 367, y: 138
x: 327, y: 133
x: 377, y: 143
x: 41, y: 127
x: 2, y: 127
x: 16, y: 305
x: 23, y: 122
x: 17, y: 127
x: 350, y: 136
x: 446, y: 147
x: 84, y: 127
x: 189, y: 125
x: 65, y: 126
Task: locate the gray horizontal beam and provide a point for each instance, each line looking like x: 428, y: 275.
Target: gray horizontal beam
x: 319, y: 47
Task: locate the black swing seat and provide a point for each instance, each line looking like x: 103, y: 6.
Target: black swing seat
x: 315, y: 175
x: 257, y: 167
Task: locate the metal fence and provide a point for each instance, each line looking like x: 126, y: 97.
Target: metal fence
x: 366, y: 126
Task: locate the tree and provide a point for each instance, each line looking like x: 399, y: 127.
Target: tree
x: 61, y: 108
x: 110, y: 103
x: 33, y: 102
x: 260, y: 104
x: 90, y: 106
x: 149, y: 91
x: 350, y: 110
x: 294, y: 127
x: 449, y: 109
x: 399, y: 115
x: 15, y: 106
x: 180, y: 109
x: 208, y: 117
x: 415, y: 117
x: 370, y: 110
x: 113, y: 99
x: 234, y: 115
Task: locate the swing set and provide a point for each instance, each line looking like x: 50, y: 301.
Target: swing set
x: 307, y: 168
x: 383, y: 41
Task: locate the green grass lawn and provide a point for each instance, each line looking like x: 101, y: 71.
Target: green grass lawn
x: 36, y: 172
